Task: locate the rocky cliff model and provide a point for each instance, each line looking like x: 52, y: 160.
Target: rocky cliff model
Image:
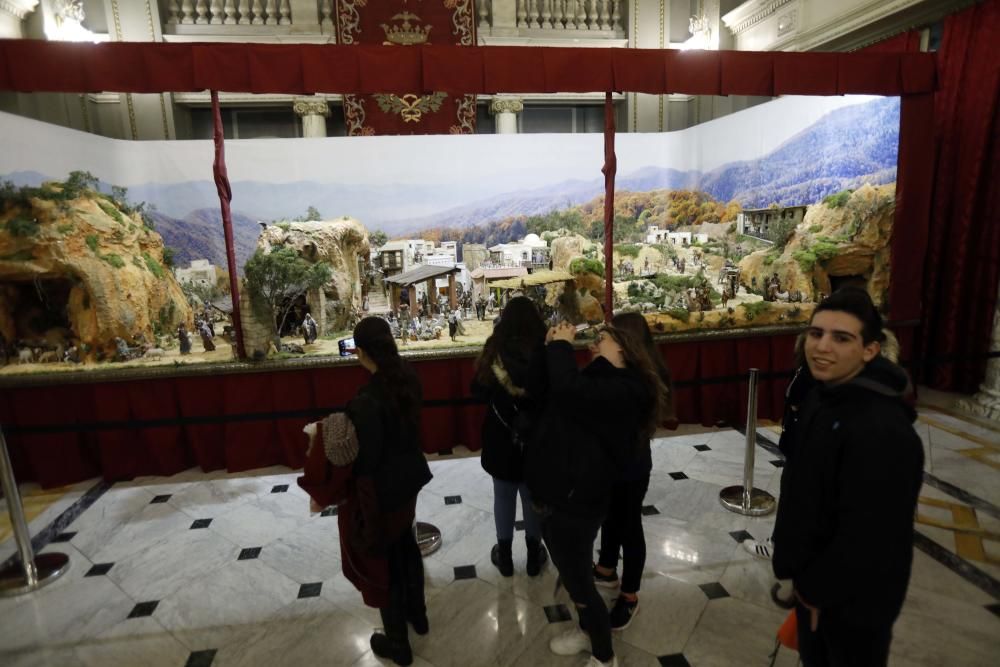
x: 340, y: 243
x: 77, y: 269
x: 847, y: 236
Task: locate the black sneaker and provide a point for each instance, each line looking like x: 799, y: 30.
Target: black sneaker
x: 501, y: 556
x: 536, y: 556
x: 623, y: 612
x: 398, y: 652
x: 605, y: 580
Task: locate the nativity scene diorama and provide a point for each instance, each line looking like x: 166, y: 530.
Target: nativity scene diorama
x: 98, y: 275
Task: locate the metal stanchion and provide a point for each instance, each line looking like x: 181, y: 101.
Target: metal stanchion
x: 428, y: 537
x: 31, y: 573
x: 745, y: 499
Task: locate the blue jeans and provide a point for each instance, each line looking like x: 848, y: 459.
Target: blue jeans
x: 505, y: 509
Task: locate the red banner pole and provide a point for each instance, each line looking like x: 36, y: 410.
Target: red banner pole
x: 609, y: 170
x: 226, y: 196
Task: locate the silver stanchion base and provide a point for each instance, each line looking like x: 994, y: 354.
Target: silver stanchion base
x: 50, y: 567
x: 428, y: 538
x: 761, y: 502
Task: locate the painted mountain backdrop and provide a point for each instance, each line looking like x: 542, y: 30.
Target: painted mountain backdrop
x: 846, y: 147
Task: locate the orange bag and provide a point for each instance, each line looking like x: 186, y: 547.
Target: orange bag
x: 788, y: 633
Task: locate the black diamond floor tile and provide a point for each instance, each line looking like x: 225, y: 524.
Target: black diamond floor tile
x: 740, y: 536
x: 64, y: 537
x: 778, y: 463
x: 249, y: 554
x: 678, y: 475
x: 201, y: 523
x: 674, y: 660
x: 160, y: 499
x: 280, y: 488
x: 703, y: 448
x: 143, y: 609
x: 310, y: 590
x: 557, y: 613
x: 329, y: 511
x: 714, y: 590
x: 465, y: 572
x: 201, y: 658
x: 98, y: 569
x: 452, y: 500
x: 649, y: 510
x: 519, y: 524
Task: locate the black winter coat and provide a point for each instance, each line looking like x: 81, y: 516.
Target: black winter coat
x: 513, y: 406
x: 388, y: 445
x: 844, y: 530
x: 588, y: 432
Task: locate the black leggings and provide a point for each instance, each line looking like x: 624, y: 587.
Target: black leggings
x: 406, y: 585
x: 622, y: 529
x: 570, y: 540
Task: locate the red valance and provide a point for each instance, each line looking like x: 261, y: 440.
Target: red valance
x: 152, y: 67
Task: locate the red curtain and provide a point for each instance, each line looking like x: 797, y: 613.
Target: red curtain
x: 963, y: 259
x: 39, y: 66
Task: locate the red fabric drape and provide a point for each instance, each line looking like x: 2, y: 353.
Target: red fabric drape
x: 246, y: 420
x: 963, y: 260
x: 40, y: 66
x: 221, y: 175
x: 610, y: 169
x: 400, y: 109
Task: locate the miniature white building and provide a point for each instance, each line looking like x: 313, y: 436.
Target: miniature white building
x: 201, y: 272
x: 679, y: 238
x: 656, y: 235
x: 701, y: 238
x: 529, y: 251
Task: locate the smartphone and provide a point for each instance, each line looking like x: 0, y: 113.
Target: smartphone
x: 346, y: 346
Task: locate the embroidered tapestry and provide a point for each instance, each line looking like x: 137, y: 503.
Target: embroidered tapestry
x: 406, y: 23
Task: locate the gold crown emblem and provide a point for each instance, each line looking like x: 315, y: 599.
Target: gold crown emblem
x: 406, y: 33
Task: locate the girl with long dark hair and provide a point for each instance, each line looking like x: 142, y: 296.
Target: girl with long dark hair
x: 592, y: 423
x: 510, y: 377
x: 389, y: 471
x: 622, y: 528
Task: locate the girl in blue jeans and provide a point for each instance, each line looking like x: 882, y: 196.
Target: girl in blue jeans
x: 510, y: 377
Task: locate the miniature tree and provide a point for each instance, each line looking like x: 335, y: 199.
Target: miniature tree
x: 378, y: 238
x: 276, y: 279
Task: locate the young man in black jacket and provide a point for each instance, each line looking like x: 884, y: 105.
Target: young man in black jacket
x: 854, y: 466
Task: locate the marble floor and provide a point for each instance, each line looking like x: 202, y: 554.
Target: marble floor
x: 222, y: 569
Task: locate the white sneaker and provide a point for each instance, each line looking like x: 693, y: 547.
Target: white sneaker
x: 759, y: 549
x: 594, y: 662
x: 570, y: 643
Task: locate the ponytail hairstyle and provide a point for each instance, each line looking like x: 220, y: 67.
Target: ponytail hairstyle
x: 636, y: 325
x: 372, y: 334
x: 638, y: 359
x: 520, y: 328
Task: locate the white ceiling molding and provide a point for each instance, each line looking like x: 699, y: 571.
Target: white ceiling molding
x: 19, y: 9
x: 751, y: 13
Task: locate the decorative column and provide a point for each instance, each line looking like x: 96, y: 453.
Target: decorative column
x: 986, y: 403
x: 313, y: 111
x: 505, y: 109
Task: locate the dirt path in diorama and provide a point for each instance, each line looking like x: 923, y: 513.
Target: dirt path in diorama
x: 476, y: 333
x: 713, y: 278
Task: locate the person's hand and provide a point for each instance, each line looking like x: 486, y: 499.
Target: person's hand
x: 562, y: 331
x: 813, y: 612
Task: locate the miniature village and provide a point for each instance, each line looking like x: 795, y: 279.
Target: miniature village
x: 87, y: 282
